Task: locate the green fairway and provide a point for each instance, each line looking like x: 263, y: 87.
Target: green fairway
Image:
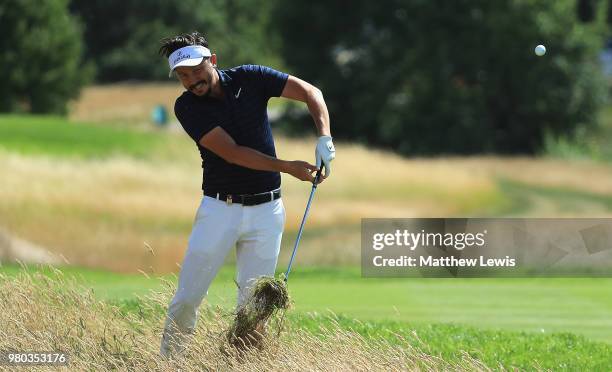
x: 525, y: 350
x: 580, y: 306
x: 48, y: 135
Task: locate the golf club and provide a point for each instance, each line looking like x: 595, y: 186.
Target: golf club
x: 297, y: 240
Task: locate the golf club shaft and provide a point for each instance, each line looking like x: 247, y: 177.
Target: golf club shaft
x: 299, y: 236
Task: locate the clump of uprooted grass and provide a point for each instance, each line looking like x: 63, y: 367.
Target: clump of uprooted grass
x: 53, y: 313
x: 267, y: 297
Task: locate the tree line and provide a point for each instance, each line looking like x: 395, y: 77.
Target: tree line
x: 419, y: 77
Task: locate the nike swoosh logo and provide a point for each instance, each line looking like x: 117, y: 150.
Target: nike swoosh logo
x: 238, y: 94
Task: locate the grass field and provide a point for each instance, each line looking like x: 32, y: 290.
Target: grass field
x: 111, y: 197
x: 522, y: 324
x: 103, y: 195
x: 541, y: 305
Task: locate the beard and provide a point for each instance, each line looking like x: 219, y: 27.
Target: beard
x: 195, y: 88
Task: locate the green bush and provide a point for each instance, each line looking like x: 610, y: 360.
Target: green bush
x: 41, y: 56
x: 427, y: 77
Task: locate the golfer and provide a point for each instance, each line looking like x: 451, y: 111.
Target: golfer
x: 225, y: 113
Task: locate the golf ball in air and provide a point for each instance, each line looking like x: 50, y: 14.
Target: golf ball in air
x: 540, y: 50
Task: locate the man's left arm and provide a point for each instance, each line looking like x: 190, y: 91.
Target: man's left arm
x: 300, y: 90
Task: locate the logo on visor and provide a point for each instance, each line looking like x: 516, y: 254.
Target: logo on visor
x: 180, y: 56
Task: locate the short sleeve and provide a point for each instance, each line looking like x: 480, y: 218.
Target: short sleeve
x: 271, y: 81
x: 195, y: 122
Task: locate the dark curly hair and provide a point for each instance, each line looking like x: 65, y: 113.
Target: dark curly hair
x: 170, y: 44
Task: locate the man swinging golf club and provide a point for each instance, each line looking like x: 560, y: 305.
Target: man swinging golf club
x: 225, y: 113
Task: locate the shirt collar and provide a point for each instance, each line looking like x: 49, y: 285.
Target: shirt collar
x: 224, y: 78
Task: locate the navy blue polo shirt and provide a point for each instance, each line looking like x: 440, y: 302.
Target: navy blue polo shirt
x: 243, y: 115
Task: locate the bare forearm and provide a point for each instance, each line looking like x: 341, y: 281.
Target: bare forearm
x: 318, y: 111
x: 299, y: 90
x: 218, y: 141
x: 253, y: 159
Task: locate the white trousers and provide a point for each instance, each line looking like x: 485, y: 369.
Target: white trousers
x: 256, y: 231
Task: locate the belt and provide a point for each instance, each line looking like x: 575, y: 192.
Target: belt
x: 246, y: 199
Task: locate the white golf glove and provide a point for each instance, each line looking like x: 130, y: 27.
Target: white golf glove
x: 325, y: 152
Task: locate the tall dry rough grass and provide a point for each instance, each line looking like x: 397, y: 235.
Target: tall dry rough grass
x: 107, y: 212
x: 101, y: 212
x: 40, y: 313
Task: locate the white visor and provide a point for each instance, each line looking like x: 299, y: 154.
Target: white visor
x: 191, y: 55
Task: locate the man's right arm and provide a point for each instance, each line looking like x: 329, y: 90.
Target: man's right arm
x: 221, y: 143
